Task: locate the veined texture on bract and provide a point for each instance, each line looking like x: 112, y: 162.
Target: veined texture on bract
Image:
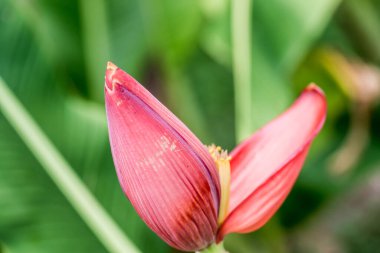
x: 164, y: 170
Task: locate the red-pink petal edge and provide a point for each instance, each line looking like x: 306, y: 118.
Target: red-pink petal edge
x: 254, y: 200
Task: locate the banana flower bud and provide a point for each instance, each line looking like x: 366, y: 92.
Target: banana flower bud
x: 190, y: 195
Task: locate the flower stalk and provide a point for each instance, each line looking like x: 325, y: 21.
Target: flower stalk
x: 214, y: 248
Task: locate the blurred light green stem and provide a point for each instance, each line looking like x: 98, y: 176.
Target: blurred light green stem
x: 63, y: 175
x: 214, y: 248
x: 242, y: 65
x: 96, y: 44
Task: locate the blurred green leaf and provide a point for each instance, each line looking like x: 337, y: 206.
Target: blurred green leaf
x: 360, y: 21
x: 34, y: 216
x: 282, y: 34
x: 288, y: 29
x: 127, y: 38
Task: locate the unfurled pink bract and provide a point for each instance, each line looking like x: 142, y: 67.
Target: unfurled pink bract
x: 175, y: 184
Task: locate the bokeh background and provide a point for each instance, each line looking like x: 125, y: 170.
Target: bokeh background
x: 224, y: 76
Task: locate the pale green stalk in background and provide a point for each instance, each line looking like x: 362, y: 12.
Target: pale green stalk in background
x: 242, y: 65
x: 96, y: 44
x: 63, y: 175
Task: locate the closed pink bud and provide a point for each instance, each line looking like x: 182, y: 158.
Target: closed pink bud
x: 165, y: 171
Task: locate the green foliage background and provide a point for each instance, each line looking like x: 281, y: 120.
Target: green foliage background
x: 53, y: 55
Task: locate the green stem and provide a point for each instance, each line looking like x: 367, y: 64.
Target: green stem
x: 96, y: 44
x: 214, y: 248
x: 242, y: 65
x: 63, y: 175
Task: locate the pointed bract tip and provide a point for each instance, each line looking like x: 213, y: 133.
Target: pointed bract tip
x: 315, y: 88
x: 111, y: 66
x: 110, y: 72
